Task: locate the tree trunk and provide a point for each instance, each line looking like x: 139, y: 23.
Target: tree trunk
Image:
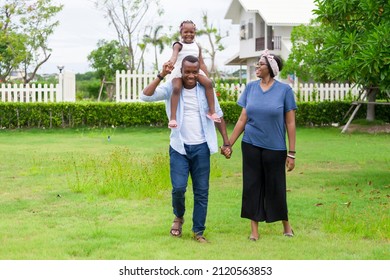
x: 101, y: 87
x: 110, y: 88
x: 371, y: 107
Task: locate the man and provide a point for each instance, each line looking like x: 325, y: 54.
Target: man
x: 191, y: 144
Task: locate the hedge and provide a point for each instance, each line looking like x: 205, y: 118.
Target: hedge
x: 104, y: 114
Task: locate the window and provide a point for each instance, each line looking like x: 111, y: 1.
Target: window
x: 250, y: 29
x: 243, y: 31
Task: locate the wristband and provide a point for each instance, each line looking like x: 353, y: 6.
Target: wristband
x: 160, y: 77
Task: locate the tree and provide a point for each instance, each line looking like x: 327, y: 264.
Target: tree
x: 12, y: 44
x: 157, y: 41
x: 25, y: 27
x: 12, y: 52
x: 127, y: 17
x: 214, y: 39
x: 106, y: 59
x: 348, y: 42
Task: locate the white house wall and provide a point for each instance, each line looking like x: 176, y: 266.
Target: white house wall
x: 286, y: 48
x: 247, y: 45
x: 285, y: 33
x: 281, y: 14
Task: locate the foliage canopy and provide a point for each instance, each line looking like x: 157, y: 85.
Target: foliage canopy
x: 25, y: 27
x: 348, y: 42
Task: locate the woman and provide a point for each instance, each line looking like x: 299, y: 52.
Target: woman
x: 268, y: 111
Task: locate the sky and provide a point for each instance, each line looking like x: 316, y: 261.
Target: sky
x: 82, y: 26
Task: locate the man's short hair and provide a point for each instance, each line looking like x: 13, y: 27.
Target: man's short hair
x: 190, y: 58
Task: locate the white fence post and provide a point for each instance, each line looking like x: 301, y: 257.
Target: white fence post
x: 69, y: 87
x: 309, y: 89
x: 117, y: 87
x: 60, y: 88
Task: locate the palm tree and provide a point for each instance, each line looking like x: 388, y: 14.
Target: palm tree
x: 214, y: 37
x: 158, y: 42
x: 142, y: 47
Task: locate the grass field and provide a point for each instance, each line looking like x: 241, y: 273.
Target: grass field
x: 72, y: 194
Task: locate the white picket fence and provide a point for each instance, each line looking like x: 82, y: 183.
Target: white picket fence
x: 30, y: 93
x: 232, y: 90
x: 65, y: 90
x: 130, y: 85
x: 309, y: 91
x: 325, y: 92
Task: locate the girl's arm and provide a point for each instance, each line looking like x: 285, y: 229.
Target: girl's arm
x: 202, y: 65
x: 175, y: 52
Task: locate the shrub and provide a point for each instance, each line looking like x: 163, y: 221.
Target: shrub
x: 107, y: 114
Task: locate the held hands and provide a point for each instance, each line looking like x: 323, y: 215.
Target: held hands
x: 226, y: 151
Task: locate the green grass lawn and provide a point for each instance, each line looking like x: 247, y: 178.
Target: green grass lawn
x: 72, y: 194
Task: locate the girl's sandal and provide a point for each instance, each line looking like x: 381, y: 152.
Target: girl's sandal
x: 214, y: 117
x: 176, y: 228
x: 172, y: 124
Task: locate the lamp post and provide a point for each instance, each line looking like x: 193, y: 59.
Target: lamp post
x: 60, y: 68
x: 61, y: 80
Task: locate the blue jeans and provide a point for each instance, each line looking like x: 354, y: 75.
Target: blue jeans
x: 197, y: 163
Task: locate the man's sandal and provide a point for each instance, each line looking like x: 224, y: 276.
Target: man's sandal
x: 200, y: 238
x: 176, y: 228
x: 214, y: 117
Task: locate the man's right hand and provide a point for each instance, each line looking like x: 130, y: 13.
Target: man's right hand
x: 226, y: 151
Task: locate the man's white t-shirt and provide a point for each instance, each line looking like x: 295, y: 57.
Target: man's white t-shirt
x: 191, y: 129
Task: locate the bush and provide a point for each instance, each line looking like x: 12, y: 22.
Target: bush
x: 88, y: 89
x: 226, y: 92
x: 105, y: 114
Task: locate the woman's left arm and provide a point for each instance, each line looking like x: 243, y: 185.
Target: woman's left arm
x: 291, y: 135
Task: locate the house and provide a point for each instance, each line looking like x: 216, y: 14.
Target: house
x: 266, y: 24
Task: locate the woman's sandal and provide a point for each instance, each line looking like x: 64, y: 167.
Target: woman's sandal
x: 252, y: 238
x: 214, y: 117
x: 176, y: 228
x: 289, y: 234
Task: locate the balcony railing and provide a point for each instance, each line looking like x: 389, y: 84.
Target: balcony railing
x: 274, y: 44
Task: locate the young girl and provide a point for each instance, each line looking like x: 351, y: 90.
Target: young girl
x: 188, y: 46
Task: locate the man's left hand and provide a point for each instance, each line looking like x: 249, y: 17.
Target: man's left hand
x: 167, y: 68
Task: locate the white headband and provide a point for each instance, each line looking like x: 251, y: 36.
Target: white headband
x: 272, y: 62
